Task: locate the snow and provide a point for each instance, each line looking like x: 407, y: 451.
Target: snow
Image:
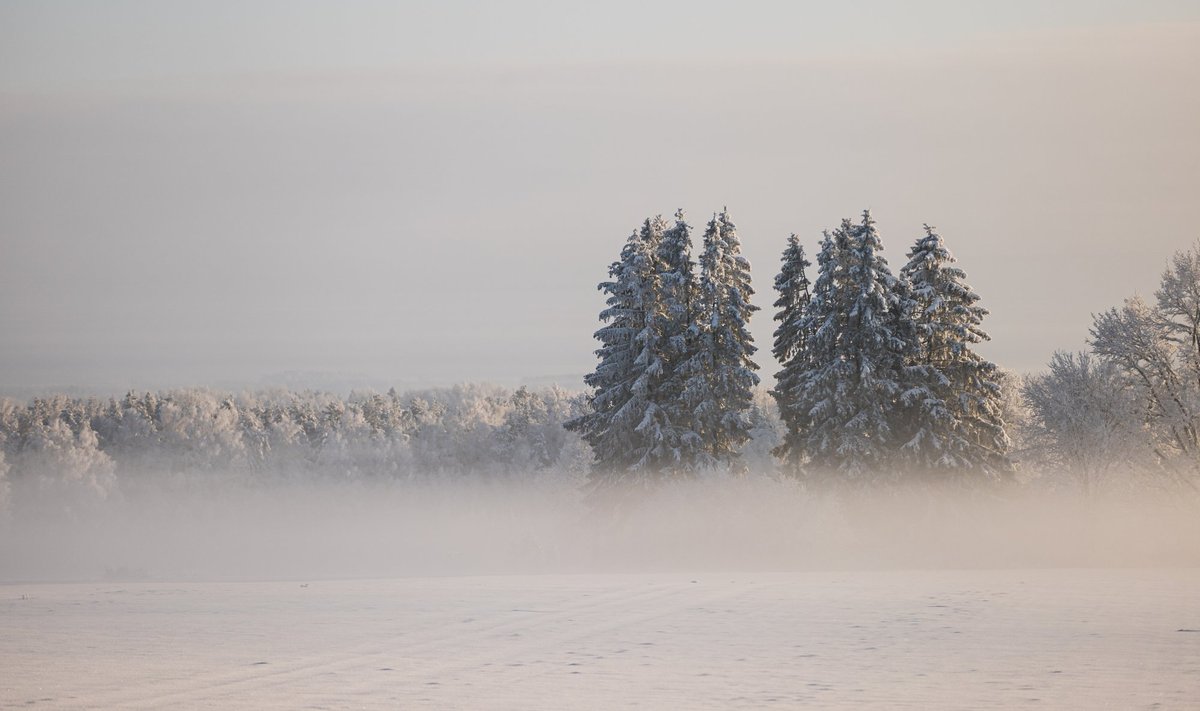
x: 1120, y: 638
x: 723, y: 592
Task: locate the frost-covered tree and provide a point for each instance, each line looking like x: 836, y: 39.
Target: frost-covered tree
x: 62, y: 467
x: 1085, y: 419
x: 766, y: 434
x: 859, y: 349
x: 66, y: 454
x: 199, y: 430
x: 629, y: 429
x: 530, y: 436
x: 812, y: 395
x: 791, y: 351
x: 719, y: 389
x: 954, y: 402
x: 624, y: 317
x: 523, y: 441
x: 680, y: 298
x: 1158, y: 349
x: 678, y: 282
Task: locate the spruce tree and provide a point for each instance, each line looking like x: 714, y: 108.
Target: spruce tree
x: 720, y: 374
x: 791, y: 350
x: 956, y: 421
x: 680, y: 294
x: 814, y: 394
x: 859, y: 348
x: 629, y: 432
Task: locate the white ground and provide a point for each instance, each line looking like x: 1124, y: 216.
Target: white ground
x: 962, y: 639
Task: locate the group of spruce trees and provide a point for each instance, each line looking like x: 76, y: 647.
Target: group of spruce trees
x: 878, y: 375
x: 675, y: 378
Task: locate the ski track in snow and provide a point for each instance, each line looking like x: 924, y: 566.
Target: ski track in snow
x: 904, y: 639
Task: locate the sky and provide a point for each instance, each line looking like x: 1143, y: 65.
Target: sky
x: 313, y: 193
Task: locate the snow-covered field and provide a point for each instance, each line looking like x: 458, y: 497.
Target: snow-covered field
x: 1056, y: 638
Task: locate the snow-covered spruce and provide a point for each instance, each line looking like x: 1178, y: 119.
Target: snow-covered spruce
x: 630, y: 427
x: 791, y: 351
x: 953, y: 400
x: 674, y: 386
x: 811, y: 391
x: 720, y: 377
x: 680, y: 297
x: 859, y: 348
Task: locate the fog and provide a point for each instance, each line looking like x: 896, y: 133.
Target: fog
x: 253, y: 243
x: 548, y: 524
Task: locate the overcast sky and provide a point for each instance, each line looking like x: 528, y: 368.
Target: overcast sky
x: 220, y: 192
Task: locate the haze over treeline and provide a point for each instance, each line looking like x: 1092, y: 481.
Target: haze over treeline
x: 279, y: 192
x: 675, y: 352
x: 1098, y: 464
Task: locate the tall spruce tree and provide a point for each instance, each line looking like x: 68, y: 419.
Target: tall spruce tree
x: 814, y: 395
x: 955, y: 409
x: 859, y: 350
x: 791, y: 351
x: 680, y: 296
x: 630, y: 434
x: 720, y: 374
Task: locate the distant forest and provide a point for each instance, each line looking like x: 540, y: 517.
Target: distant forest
x: 879, y: 385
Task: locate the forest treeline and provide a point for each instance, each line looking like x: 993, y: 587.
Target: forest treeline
x: 57, y: 445
x: 879, y: 384
x: 65, y: 452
